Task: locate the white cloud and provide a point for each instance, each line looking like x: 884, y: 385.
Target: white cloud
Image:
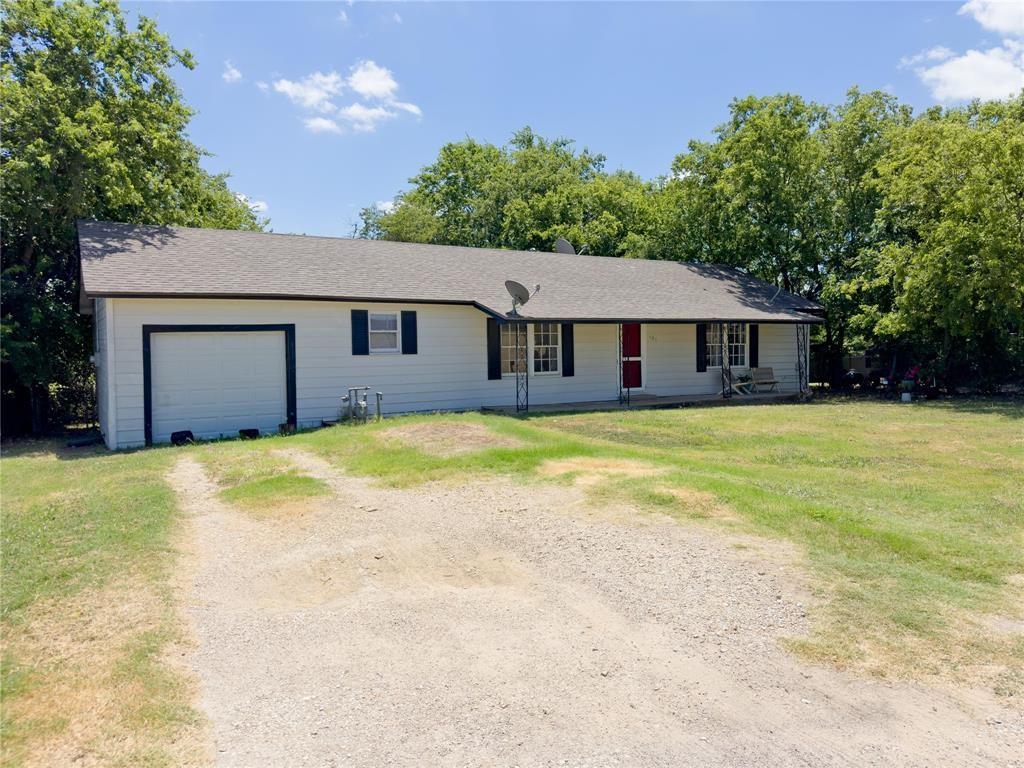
x: 386, y: 206
x: 364, y: 118
x: 265, y: 87
x: 396, y: 18
x: 405, y: 106
x: 372, y: 81
x: 938, y: 53
x: 317, y: 92
x: 313, y: 91
x: 321, y: 125
x: 257, y: 206
x: 993, y: 74
x: 343, y: 17
x: 231, y: 73
x: 1002, y: 16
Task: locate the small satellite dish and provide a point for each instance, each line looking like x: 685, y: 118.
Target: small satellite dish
x: 520, y: 293
x: 564, y: 246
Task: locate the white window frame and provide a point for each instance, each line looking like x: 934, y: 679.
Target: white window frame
x: 507, y: 341
x: 713, y: 344
x: 398, y: 333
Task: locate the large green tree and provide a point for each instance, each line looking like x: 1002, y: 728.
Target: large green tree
x: 523, y: 195
x: 753, y: 197
x: 94, y: 127
x: 945, y: 280
x: 787, y: 191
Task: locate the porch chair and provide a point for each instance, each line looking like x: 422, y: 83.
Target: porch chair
x: 763, y: 377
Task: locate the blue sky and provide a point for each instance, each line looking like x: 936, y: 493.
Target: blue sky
x: 318, y: 109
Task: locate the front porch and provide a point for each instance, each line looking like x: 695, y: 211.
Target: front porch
x: 558, y: 367
x: 649, y: 401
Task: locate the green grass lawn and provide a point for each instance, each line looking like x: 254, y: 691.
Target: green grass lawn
x: 909, y: 520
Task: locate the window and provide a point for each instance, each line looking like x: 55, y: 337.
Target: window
x: 384, y: 332
x: 737, y: 342
x: 508, y: 348
x: 545, y: 348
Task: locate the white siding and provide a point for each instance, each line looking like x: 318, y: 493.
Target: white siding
x: 102, y: 359
x: 448, y: 373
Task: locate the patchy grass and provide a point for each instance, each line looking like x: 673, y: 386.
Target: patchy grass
x: 257, y: 480
x: 911, y: 518
x: 87, y: 612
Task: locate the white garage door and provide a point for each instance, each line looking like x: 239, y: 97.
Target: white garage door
x: 217, y: 383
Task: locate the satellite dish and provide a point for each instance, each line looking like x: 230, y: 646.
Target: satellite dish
x: 519, y: 293
x: 564, y: 246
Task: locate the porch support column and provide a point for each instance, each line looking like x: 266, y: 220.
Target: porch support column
x: 802, y: 347
x: 726, y: 367
x: 522, y: 368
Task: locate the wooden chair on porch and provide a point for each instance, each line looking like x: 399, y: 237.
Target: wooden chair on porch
x: 763, y: 377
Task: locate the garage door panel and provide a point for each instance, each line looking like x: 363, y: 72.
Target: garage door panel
x: 216, y: 383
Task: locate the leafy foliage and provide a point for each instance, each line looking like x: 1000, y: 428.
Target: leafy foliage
x: 948, y: 277
x: 524, y: 195
x: 94, y: 127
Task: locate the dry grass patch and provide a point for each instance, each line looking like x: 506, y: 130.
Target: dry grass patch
x: 96, y: 687
x: 588, y: 471
x: 701, y: 503
x: 448, y: 438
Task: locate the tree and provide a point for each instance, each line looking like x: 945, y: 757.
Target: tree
x: 788, y: 192
x: 752, y: 198
x: 946, y: 278
x: 524, y: 195
x: 855, y: 136
x: 94, y: 127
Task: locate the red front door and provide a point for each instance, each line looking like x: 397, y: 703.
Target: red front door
x: 632, y: 378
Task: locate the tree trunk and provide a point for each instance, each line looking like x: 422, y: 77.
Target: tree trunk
x: 39, y: 401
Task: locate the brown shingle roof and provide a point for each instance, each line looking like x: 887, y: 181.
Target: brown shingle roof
x: 131, y: 260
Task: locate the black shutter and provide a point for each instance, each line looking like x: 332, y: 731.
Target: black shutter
x: 360, y: 332
x: 493, y: 349
x: 409, y: 346
x: 753, y: 359
x: 568, y: 354
x: 702, y: 347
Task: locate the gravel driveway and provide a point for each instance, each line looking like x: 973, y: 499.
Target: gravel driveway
x: 490, y: 624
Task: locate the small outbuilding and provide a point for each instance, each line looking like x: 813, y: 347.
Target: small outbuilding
x: 215, y: 331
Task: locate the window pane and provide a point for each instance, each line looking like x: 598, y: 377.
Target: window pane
x: 383, y: 340
x: 384, y: 322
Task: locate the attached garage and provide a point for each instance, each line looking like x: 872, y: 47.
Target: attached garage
x: 216, y: 380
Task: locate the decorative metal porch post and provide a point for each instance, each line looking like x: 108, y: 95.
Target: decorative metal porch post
x: 726, y: 367
x: 802, y: 374
x: 522, y: 369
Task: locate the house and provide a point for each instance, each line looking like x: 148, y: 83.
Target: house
x: 214, y: 331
